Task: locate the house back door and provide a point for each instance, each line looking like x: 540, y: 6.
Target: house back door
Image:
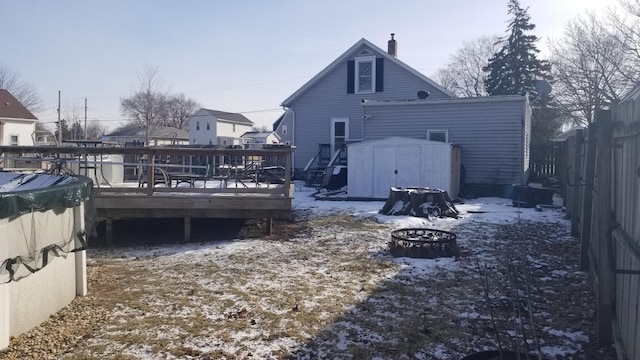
x: 339, y: 131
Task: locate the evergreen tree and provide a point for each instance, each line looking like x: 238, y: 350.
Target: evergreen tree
x: 515, y: 69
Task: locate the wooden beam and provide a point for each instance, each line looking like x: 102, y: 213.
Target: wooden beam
x: 577, y: 179
x: 187, y: 228
x: 590, y: 164
x: 269, y: 226
x: 601, y: 230
x: 109, y: 230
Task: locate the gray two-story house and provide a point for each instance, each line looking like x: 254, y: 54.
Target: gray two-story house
x: 368, y: 94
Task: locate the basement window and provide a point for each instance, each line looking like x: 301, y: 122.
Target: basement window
x: 438, y: 135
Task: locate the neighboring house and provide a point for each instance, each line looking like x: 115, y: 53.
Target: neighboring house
x: 213, y: 127
x: 158, y: 136
x: 257, y: 139
x: 368, y: 94
x: 17, y: 124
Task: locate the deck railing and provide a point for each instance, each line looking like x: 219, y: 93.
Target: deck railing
x: 168, y: 169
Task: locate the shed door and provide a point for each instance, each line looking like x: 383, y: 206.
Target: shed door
x: 409, y: 164
x: 395, y: 166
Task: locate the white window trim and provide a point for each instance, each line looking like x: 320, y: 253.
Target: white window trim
x: 17, y: 139
x: 356, y: 77
x: 333, y: 132
x: 446, y: 134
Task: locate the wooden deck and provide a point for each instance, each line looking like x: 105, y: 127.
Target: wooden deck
x: 234, y: 187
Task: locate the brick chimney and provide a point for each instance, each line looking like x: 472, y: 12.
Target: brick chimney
x: 392, y: 46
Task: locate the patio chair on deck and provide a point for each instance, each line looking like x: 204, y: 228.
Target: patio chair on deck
x: 160, y: 177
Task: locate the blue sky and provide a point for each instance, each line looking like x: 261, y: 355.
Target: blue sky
x: 237, y: 56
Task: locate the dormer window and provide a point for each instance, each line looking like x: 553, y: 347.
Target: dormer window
x: 365, y: 79
x: 365, y: 75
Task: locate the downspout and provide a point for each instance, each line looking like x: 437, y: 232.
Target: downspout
x: 293, y: 134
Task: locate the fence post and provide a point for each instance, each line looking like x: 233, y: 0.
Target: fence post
x: 590, y: 163
x: 576, y: 181
x: 601, y: 229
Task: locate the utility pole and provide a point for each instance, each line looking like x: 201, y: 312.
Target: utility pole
x: 85, y: 119
x: 59, y: 122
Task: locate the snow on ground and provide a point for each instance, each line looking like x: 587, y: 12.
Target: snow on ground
x: 332, y: 291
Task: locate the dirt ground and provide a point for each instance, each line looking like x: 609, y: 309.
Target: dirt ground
x: 326, y: 287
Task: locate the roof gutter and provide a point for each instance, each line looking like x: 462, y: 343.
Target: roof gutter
x: 486, y: 99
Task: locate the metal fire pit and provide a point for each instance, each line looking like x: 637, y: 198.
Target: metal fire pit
x: 423, y: 243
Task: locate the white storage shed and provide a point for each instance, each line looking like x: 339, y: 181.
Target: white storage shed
x: 376, y: 166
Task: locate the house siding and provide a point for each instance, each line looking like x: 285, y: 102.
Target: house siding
x: 23, y: 129
x: 202, y: 136
x: 328, y: 98
x: 493, y: 134
x: 286, y: 123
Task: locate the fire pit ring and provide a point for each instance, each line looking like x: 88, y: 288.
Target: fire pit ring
x: 423, y: 243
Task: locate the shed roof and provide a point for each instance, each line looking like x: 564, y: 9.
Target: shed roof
x: 398, y: 140
x: 11, y: 108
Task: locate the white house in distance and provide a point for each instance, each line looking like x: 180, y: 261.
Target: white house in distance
x: 257, y: 139
x: 214, y: 127
x: 17, y: 124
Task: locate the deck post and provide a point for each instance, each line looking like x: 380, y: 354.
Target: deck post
x: 151, y: 173
x: 4, y: 295
x: 269, y: 225
x: 109, y: 230
x: 187, y: 228
x: 81, y: 256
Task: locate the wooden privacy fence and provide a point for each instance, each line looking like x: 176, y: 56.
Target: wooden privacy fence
x: 543, y: 162
x: 601, y: 187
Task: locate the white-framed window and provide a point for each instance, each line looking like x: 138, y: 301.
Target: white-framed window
x: 284, y: 129
x: 365, y: 75
x: 13, y: 140
x: 197, y: 125
x: 339, y: 133
x: 438, y: 135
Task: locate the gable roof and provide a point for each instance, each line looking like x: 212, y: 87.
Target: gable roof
x: 10, y: 107
x: 277, y: 123
x: 350, y: 52
x: 159, y: 132
x: 232, y: 117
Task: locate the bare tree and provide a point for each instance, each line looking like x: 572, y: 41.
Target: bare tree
x: 21, y: 90
x: 73, y: 114
x: 594, y: 64
x: 463, y: 75
x: 95, y: 130
x: 177, y: 109
x: 146, y: 106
